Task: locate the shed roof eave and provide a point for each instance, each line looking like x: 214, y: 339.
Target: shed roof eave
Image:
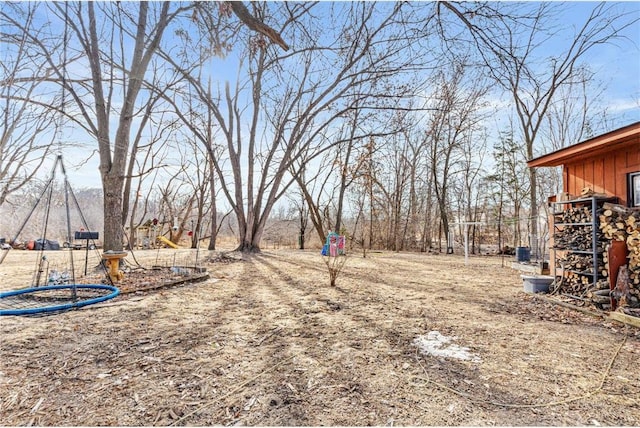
x: 608, y: 141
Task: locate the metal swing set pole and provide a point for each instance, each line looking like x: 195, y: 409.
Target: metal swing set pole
x: 26, y: 220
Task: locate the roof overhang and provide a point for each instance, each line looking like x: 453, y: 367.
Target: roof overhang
x: 614, y: 140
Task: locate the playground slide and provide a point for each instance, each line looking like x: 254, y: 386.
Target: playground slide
x: 167, y: 242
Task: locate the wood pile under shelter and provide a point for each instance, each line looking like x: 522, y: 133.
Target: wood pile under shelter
x: 598, y: 257
x: 595, y: 222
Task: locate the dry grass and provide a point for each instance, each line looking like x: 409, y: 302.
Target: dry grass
x: 266, y: 341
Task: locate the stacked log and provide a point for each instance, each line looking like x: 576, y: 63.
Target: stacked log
x: 578, y: 263
x: 577, y: 278
x: 582, y: 287
x: 613, y: 221
x: 574, y: 234
x: 574, y: 238
x: 577, y: 238
x: 578, y: 214
x: 619, y: 223
x: 633, y: 245
x: 600, y: 294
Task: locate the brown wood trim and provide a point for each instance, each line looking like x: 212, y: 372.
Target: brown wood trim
x: 613, y: 140
x: 629, y: 169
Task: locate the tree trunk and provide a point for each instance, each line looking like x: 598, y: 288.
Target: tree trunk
x: 343, y: 182
x: 214, y: 214
x: 112, y: 190
x: 534, y: 211
x: 248, y: 247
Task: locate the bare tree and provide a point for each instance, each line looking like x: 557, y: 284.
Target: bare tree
x: 115, y: 43
x: 199, y: 171
x: 325, y: 192
x: 471, y: 194
x: 421, y: 209
x: 509, y: 53
x: 414, y: 147
x: 147, y: 160
x: 299, y: 204
x: 28, y: 131
x: 178, y: 201
x: 113, y: 87
x: 299, y: 104
x: 316, y: 191
x: 224, y: 110
x: 457, y: 101
x: 394, y: 180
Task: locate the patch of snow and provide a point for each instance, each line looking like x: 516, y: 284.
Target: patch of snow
x: 436, y: 344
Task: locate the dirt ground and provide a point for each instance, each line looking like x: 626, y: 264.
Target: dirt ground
x: 266, y: 341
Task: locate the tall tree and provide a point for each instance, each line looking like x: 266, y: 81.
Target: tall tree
x: 28, y: 131
x: 115, y: 91
x: 224, y: 111
x: 511, y: 45
x: 511, y: 177
x: 284, y: 105
x: 456, y: 115
x: 115, y: 43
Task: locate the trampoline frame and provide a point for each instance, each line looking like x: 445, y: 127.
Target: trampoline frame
x: 55, y: 308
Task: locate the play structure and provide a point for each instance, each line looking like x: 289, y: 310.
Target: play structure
x: 146, y: 235
x: 165, y: 241
x: 149, y: 235
x: 54, y: 290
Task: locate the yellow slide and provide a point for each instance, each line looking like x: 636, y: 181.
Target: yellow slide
x: 167, y: 242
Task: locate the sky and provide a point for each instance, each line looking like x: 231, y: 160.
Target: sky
x: 615, y: 65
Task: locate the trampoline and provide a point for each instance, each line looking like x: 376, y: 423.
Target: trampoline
x: 52, y: 299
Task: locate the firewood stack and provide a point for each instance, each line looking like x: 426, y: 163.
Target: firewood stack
x: 619, y: 223
x: 575, y: 215
x: 577, y: 278
x: 613, y: 221
x: 576, y: 234
x: 600, y: 294
x: 576, y: 238
x: 578, y: 263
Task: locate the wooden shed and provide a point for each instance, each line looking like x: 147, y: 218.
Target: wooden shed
x: 608, y: 164
x: 594, y: 227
